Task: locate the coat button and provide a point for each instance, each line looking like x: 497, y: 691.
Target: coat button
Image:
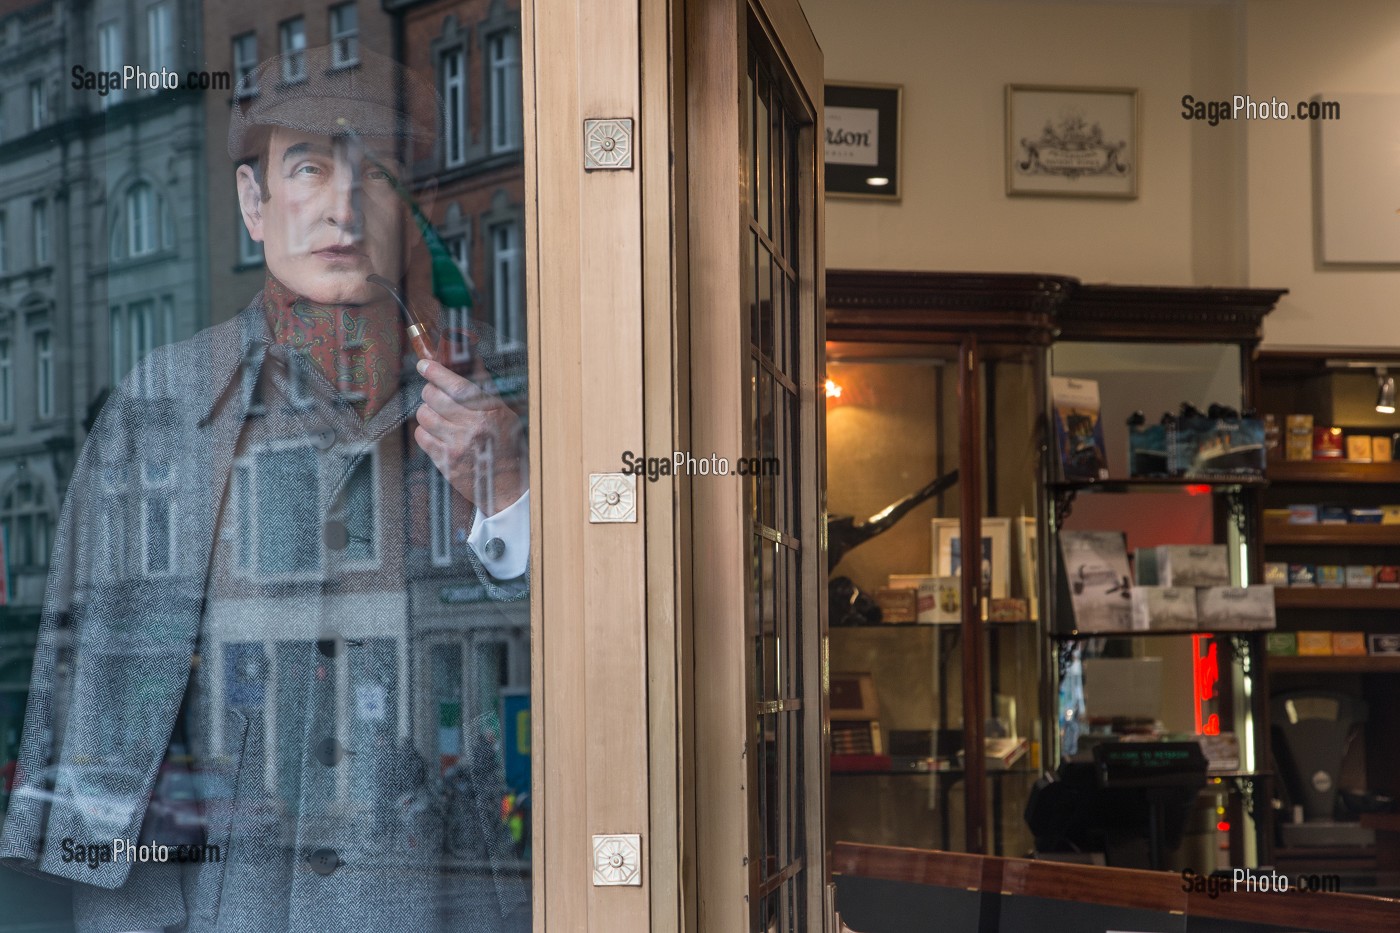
x: 495, y: 549
x: 330, y: 752
x: 324, y: 439
x: 324, y: 861
x: 336, y: 535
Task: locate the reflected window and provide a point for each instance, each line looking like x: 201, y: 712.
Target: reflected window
x: 27, y: 524
x: 345, y: 36
x: 459, y: 319
x: 506, y: 285
x: 38, y: 105
x: 160, y: 37
x: 453, y: 68
x: 43, y: 374
x: 358, y: 496
x: 141, y: 220
x: 40, y: 219
x: 245, y: 59
x: 503, y: 50
x: 109, y: 58
x: 287, y: 533
x: 440, y: 518
x: 157, y: 519
x: 293, y: 39
x: 250, y: 251
x: 7, y: 383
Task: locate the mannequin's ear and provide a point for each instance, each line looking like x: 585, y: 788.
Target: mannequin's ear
x: 250, y: 202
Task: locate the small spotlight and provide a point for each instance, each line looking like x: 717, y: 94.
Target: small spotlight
x: 879, y: 181
x: 1385, y: 394
x: 832, y: 389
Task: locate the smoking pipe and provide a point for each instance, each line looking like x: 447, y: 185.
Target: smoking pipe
x: 417, y: 330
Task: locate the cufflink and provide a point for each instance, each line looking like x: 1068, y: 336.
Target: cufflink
x: 495, y: 549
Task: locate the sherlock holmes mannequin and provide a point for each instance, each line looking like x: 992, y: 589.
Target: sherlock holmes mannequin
x: 267, y: 649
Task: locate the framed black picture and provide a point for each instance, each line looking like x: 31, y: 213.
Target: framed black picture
x: 862, y: 140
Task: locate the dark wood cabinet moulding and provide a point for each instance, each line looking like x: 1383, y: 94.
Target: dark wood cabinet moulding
x: 923, y: 307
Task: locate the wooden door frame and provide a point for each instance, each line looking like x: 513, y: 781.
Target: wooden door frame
x: 722, y: 710
x: 630, y: 732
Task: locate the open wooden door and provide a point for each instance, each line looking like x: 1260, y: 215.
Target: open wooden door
x: 753, y: 90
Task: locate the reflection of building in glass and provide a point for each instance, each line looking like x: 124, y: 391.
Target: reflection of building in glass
x: 469, y: 649
x: 453, y: 649
x: 101, y: 247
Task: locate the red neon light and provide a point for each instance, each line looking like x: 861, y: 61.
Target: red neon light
x: 1223, y: 826
x: 1198, y: 489
x: 1205, y: 677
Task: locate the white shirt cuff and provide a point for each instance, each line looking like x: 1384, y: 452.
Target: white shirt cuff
x: 502, y: 541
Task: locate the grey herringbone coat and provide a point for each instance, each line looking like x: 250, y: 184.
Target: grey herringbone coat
x: 127, y: 674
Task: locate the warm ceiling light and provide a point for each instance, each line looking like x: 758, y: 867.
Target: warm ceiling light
x: 834, y: 391
x: 879, y: 181
x: 1385, y: 394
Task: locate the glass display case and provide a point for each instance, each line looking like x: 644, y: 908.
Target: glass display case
x: 940, y: 430
x: 938, y: 663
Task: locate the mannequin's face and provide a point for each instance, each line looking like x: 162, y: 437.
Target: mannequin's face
x: 331, y: 217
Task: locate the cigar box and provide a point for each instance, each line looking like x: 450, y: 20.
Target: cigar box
x: 1314, y: 644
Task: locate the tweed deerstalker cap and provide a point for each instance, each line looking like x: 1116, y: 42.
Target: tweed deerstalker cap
x: 377, y: 97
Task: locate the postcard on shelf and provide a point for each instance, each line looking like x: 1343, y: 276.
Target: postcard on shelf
x: 1222, y: 751
x: 1349, y: 643
x: 1184, y: 565
x: 1094, y: 565
x: 1302, y: 515
x: 1078, y: 428
x: 1388, y: 576
x: 1002, y: 753
x: 1163, y: 608
x: 1299, y: 430
x: 1282, y: 644
x: 1276, y: 573
x: 1331, y: 575
x: 939, y: 599
x: 1390, y: 515
x: 1332, y: 515
x: 995, y: 557
x: 1314, y: 644
x: 1027, y: 562
x: 1302, y: 575
x: 1364, y: 516
x: 1359, y: 448
x: 1382, y: 450
x: 897, y: 606
x: 1384, y: 643
x: 1327, y: 443
x: 1013, y: 609
x: 1361, y: 576
x: 1235, y: 608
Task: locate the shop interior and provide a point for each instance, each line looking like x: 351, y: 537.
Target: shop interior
x: 1169, y: 417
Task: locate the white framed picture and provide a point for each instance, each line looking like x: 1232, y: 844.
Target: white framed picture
x: 1072, y: 141
x: 995, y: 557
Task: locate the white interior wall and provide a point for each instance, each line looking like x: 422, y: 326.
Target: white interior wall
x: 1223, y: 205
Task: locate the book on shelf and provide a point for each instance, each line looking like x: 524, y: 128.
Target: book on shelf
x: 1078, y: 428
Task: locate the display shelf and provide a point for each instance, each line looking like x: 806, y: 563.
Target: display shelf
x: 1281, y: 532
x: 1324, y: 597
x: 1333, y: 471
x: 1367, y: 664
x: 942, y: 772
x: 1151, y: 483
x: 908, y: 626
x: 1136, y: 633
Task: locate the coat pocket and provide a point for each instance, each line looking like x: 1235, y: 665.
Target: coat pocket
x: 221, y: 801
